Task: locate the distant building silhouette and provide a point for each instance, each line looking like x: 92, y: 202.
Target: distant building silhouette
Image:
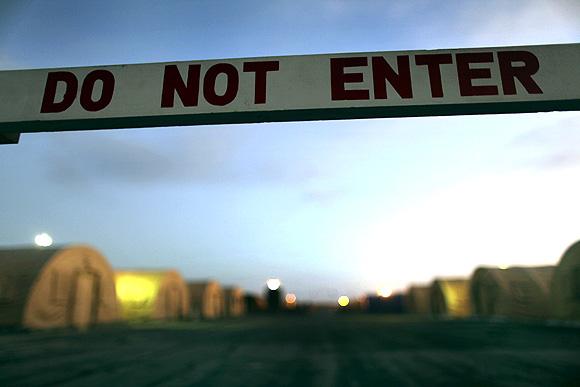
x: 274, y: 299
x: 392, y: 304
x: 254, y: 304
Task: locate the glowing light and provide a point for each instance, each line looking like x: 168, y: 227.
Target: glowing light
x: 273, y: 283
x: 43, y: 240
x: 290, y: 298
x: 502, y: 267
x: 138, y: 294
x: 136, y: 289
x: 384, y: 292
x: 343, y: 301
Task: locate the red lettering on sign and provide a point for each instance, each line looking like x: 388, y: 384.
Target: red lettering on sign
x: 49, y: 105
x: 261, y: 69
x: 172, y: 82
x: 524, y: 73
x: 338, y: 78
x: 467, y: 74
x: 383, y: 72
x: 108, y: 80
x: 232, y: 84
x: 433, y: 63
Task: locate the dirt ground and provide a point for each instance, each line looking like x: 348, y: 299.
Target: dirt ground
x: 314, y: 350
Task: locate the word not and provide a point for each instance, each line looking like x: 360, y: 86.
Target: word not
x: 188, y: 91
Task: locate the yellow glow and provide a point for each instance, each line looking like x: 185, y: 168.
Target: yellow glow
x: 456, y: 298
x: 384, y: 292
x: 502, y: 267
x: 134, y: 289
x: 343, y: 301
x: 273, y: 283
x: 290, y: 298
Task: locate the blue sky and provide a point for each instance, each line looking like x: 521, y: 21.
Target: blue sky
x: 330, y: 207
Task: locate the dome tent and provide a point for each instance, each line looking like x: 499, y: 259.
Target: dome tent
x: 450, y: 297
x: 418, y: 300
x: 565, y: 287
x: 235, y: 305
x: 56, y: 287
x: 152, y: 294
x: 207, y: 299
x: 512, y: 292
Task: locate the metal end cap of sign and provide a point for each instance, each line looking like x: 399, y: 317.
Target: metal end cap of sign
x: 9, y: 138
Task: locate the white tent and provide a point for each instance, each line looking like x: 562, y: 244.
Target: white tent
x: 56, y: 287
x: 565, y: 289
x: 512, y: 292
x: 235, y: 304
x: 450, y: 297
x: 418, y: 300
x: 207, y: 299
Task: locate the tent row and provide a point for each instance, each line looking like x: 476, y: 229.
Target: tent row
x: 516, y: 292
x: 443, y: 297
x: 76, y: 286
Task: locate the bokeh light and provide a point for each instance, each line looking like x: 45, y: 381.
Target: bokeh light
x: 343, y: 301
x: 273, y: 283
x: 43, y: 240
x: 384, y: 292
x: 290, y: 298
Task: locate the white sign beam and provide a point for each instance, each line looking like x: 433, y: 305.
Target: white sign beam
x: 292, y: 88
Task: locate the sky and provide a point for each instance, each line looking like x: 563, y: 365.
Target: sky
x: 330, y: 207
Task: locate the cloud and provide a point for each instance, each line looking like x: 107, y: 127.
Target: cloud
x: 553, y: 145
x: 207, y: 155
x: 72, y: 159
x: 563, y: 130
x: 323, y: 196
x: 509, y: 22
x: 558, y: 160
x: 10, y: 12
x: 131, y: 160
